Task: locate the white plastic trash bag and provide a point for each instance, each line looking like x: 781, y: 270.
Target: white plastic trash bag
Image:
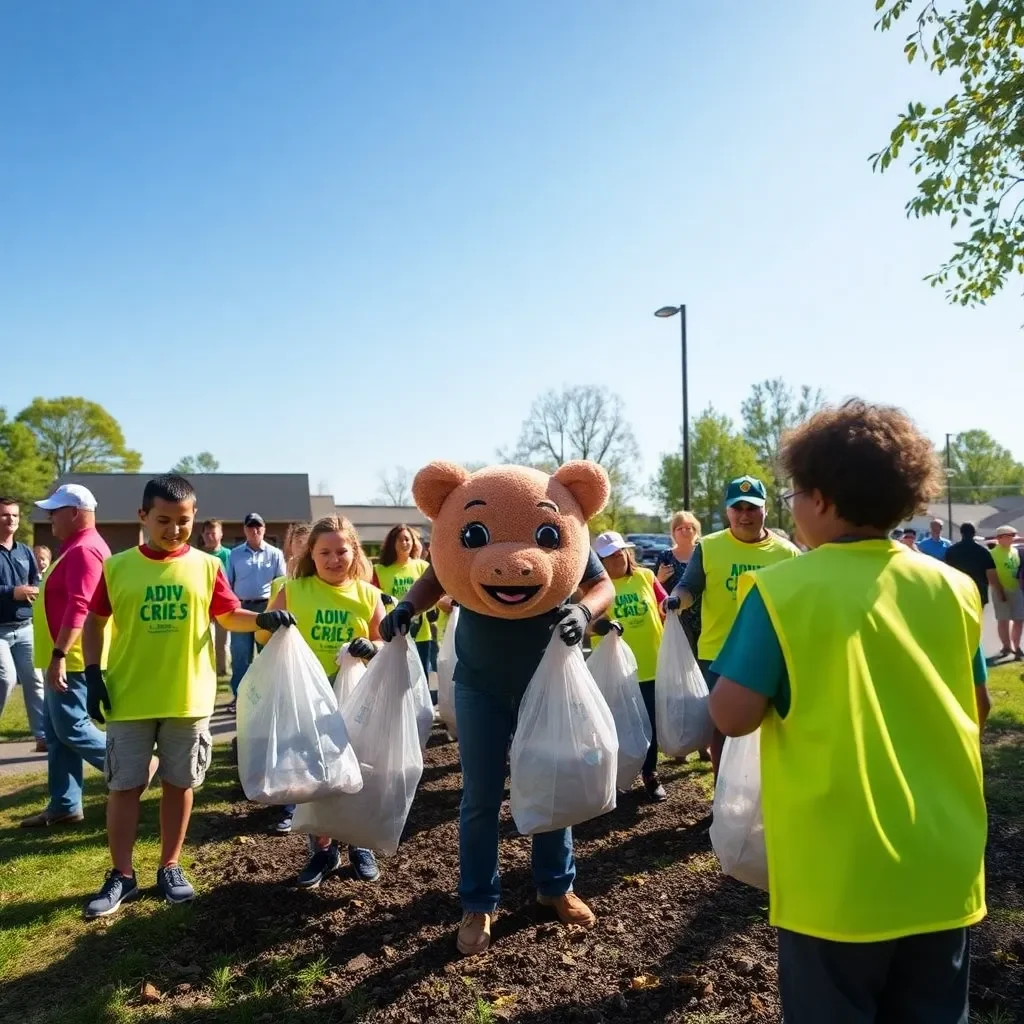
x: 564, y: 753
x: 737, y: 826
x: 292, y: 742
x: 614, y: 669
x: 350, y: 671
x: 382, y: 718
x: 446, y: 676
x: 680, y: 695
x: 420, y: 689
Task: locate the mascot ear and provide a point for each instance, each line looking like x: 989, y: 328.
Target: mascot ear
x: 588, y: 483
x: 434, y: 483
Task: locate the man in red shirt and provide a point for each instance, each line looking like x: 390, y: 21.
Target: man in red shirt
x: 58, y: 616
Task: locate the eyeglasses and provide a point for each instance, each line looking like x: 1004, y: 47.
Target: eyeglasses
x: 789, y: 496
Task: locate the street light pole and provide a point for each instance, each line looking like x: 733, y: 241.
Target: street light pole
x: 665, y: 312
x: 949, y: 488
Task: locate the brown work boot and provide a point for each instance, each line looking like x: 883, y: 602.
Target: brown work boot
x: 46, y: 818
x: 570, y: 909
x: 474, y: 934
x: 40, y: 746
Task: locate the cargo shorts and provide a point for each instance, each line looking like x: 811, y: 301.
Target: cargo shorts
x: 183, y: 746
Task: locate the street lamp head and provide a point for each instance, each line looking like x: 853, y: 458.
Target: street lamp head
x: 667, y: 311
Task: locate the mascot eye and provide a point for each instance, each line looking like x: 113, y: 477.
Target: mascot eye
x: 548, y: 536
x: 475, y: 535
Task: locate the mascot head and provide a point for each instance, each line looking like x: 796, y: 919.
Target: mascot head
x: 510, y: 541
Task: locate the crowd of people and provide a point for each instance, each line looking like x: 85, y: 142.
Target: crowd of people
x: 859, y: 661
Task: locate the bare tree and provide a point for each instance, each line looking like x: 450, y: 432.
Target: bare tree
x: 395, y: 487
x: 581, y: 422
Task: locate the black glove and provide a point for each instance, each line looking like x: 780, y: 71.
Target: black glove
x: 396, y: 622
x: 672, y: 603
x: 96, y: 695
x: 573, y: 619
x: 433, y: 615
x: 273, y: 621
x: 387, y: 600
x: 362, y: 648
x: 604, y: 626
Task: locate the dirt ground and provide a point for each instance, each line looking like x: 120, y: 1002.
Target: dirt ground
x: 675, y: 940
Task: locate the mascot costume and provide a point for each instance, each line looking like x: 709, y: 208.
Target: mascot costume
x: 510, y: 546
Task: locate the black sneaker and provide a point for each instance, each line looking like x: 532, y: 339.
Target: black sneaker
x: 173, y: 885
x: 364, y: 864
x: 655, y: 790
x: 116, y: 889
x: 323, y: 863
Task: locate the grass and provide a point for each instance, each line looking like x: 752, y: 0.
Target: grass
x: 14, y: 720
x: 1007, y: 693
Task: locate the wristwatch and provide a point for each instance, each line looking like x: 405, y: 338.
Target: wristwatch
x: 57, y: 655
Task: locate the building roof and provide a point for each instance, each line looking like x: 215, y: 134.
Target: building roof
x: 372, y: 522
x: 278, y: 497
x: 1006, y: 511
x: 321, y: 505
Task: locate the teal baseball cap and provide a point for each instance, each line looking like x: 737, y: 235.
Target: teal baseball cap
x: 745, y: 488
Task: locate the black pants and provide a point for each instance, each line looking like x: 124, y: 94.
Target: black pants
x: 919, y: 979
x: 651, y: 762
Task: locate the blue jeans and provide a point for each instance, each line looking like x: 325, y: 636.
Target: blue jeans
x: 486, y: 724
x: 71, y: 738
x: 16, y: 667
x: 243, y: 649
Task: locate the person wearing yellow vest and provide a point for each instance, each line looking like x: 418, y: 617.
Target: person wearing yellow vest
x: 637, y: 614
x: 861, y: 664
x: 712, y: 575
x: 1007, y: 596
x: 334, y: 604
x: 397, y: 569
x: 160, y: 681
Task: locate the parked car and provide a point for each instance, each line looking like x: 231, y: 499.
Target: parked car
x: 649, y: 546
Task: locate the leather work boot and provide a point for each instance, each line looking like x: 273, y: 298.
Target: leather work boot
x: 570, y: 909
x: 474, y: 934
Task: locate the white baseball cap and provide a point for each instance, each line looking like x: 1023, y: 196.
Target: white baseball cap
x: 608, y: 543
x: 1005, y: 531
x: 69, y: 496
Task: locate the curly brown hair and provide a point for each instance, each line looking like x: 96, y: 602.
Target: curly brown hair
x: 870, y: 461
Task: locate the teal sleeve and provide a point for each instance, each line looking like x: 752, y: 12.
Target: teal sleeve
x: 752, y: 655
x: 980, y: 667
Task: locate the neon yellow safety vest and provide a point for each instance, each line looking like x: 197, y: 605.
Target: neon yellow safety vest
x: 329, y: 616
x: 441, y: 625
x: 874, y: 811
x: 1007, y: 566
x: 397, y: 580
x: 43, y: 640
x: 725, y: 559
x: 276, y: 586
x: 162, y: 656
x: 636, y: 607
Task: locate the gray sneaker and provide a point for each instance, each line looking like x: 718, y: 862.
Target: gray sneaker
x: 321, y: 864
x: 115, y: 891
x: 173, y: 885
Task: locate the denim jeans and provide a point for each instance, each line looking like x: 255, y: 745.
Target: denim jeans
x: 486, y: 724
x: 71, y: 738
x: 651, y: 762
x: 16, y: 667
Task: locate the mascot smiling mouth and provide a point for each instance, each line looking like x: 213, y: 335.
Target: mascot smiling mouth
x: 511, y: 595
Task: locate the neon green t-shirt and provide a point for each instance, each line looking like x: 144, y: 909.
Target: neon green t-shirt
x: 1007, y: 565
x: 636, y: 608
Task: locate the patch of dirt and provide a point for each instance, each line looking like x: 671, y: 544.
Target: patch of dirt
x: 675, y: 940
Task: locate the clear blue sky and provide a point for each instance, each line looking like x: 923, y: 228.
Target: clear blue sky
x: 277, y: 231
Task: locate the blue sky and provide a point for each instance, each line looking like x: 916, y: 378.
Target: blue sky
x: 283, y: 231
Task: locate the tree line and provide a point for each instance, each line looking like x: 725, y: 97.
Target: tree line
x: 590, y: 422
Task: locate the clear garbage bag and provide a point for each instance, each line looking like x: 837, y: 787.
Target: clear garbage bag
x: 564, y: 753
x: 382, y: 718
x: 421, y: 692
x: 350, y: 671
x: 292, y: 742
x: 680, y: 695
x: 737, y: 826
x: 614, y: 669
x: 446, y: 676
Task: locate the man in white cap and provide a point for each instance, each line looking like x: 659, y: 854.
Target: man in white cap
x: 1007, y: 597
x: 57, y: 618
